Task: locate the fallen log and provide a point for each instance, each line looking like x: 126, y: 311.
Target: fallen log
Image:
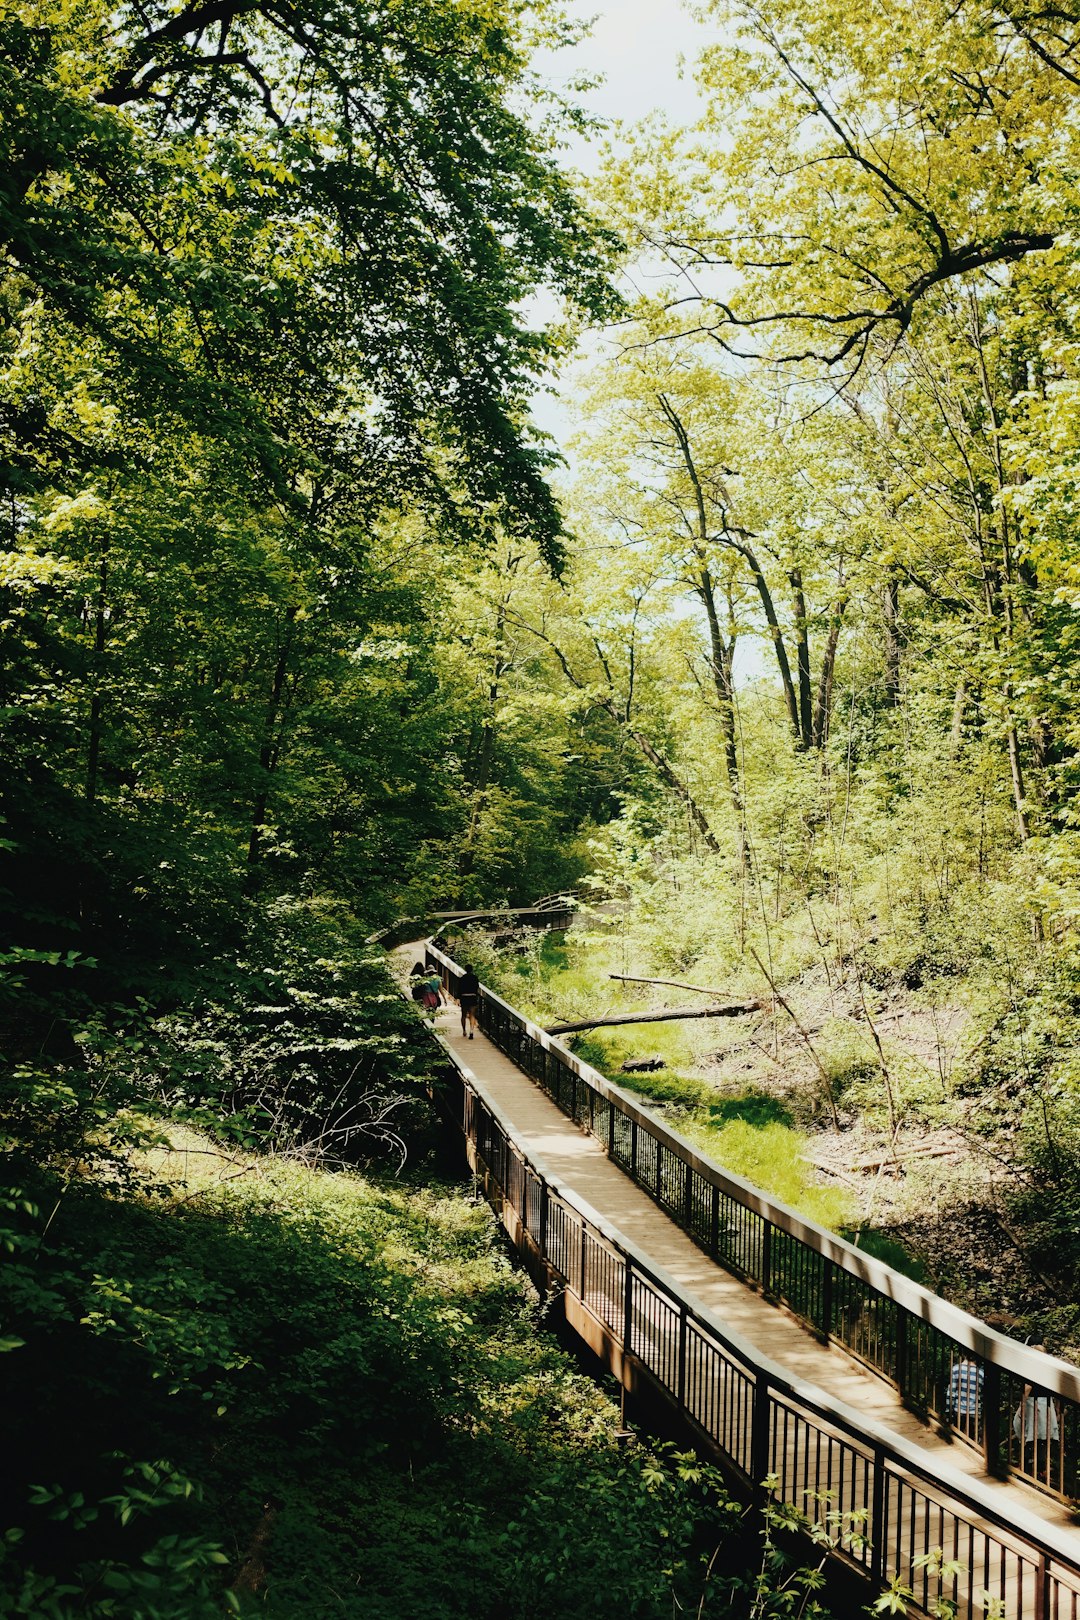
x: 647, y: 1065
x: 675, y: 984
x: 736, y: 1010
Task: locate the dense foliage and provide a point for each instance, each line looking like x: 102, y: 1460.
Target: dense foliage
x: 825, y: 596
x: 297, y: 638
x: 263, y: 369
x: 323, y: 1395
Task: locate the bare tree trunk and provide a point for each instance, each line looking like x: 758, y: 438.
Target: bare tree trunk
x: 802, y: 659
x: 621, y: 717
x: 959, y: 705
x: 823, y: 701
x: 761, y: 584
x: 674, y: 984
x: 1016, y: 771
x: 737, y: 1009
x: 720, y: 664
x: 674, y: 782
x: 738, y: 543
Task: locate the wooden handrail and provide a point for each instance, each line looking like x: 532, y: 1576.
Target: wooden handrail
x: 961, y: 1487
x: 967, y: 1332
x: 1023, y: 1553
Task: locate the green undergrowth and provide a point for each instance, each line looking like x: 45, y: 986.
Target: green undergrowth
x: 246, y: 1383
x: 880, y: 1246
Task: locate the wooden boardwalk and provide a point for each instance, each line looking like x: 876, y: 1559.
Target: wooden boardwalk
x: 583, y: 1167
x: 578, y: 1163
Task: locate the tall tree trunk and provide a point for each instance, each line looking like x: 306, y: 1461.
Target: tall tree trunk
x: 823, y: 701
x: 959, y: 705
x: 891, y: 614
x: 621, y: 716
x: 1016, y: 771
x: 270, y: 749
x: 93, y: 747
x: 720, y: 659
x: 720, y: 664
x: 738, y: 542
x: 667, y: 772
x: 1007, y: 574
x: 761, y: 585
x: 720, y: 655
x: 802, y: 649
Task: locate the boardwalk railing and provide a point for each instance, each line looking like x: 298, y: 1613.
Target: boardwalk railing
x: 1021, y: 1408
x: 914, y: 1513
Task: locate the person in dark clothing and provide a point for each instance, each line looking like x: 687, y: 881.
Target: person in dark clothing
x: 468, y: 994
x: 416, y: 981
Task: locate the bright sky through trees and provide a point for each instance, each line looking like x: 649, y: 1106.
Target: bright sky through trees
x: 642, y: 51
x: 636, y: 45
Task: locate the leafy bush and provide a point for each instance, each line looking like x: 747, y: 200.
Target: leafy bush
x: 335, y: 1385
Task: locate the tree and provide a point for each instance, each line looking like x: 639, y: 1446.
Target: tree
x: 865, y: 163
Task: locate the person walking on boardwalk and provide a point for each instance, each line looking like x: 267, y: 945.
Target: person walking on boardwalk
x: 965, y: 1396
x: 433, y: 994
x: 468, y: 994
x: 1035, y: 1425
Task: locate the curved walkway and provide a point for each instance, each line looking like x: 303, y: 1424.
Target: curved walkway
x: 584, y: 1168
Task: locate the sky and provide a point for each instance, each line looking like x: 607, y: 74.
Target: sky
x: 636, y: 46
x: 644, y: 52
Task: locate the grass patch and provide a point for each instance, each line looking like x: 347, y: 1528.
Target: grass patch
x: 753, y: 1135
x: 770, y: 1155
x: 608, y: 1051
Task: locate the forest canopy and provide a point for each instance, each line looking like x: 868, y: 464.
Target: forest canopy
x: 307, y: 625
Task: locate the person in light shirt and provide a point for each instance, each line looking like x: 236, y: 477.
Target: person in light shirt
x: 1035, y: 1425
x: 965, y: 1396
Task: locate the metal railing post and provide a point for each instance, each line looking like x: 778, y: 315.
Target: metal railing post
x: 901, y: 1351
x: 681, y: 1385
x: 1042, y: 1589
x: 628, y: 1306
x: 766, y: 1256
x: 991, y: 1412
x: 759, y: 1432
x: 877, y: 1518
x: 827, y: 1299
